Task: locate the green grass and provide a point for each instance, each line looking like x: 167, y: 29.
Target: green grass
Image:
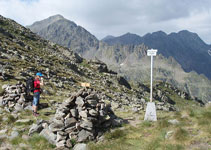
x: 146, y: 124
x: 163, y: 124
x: 39, y: 143
x: 173, y: 147
x: 11, y: 119
x: 151, y: 135
x: 16, y: 140
x: 24, y: 124
x: 115, y: 134
x: 181, y: 134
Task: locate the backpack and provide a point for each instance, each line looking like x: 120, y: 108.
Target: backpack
x: 29, y: 85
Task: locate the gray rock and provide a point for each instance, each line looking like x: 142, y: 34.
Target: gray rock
x: 60, y: 137
x: 14, y: 134
x: 86, y: 125
x: 135, y: 109
x: 93, y: 112
x: 74, y: 112
x: 29, y: 107
x: 56, y: 126
x: 92, y: 102
x: 70, y: 122
x: 174, y: 121
x: 102, y: 113
x: 4, y: 86
x: 3, y: 131
x: 79, y: 101
x: 69, y: 143
x: 1, y: 101
x: 35, y: 128
x: 143, y: 100
x: 50, y: 136
x: 18, y: 107
x: 83, y: 114
x: 84, y: 135
x: 61, y: 143
x: 81, y: 146
x: 92, y: 97
x: 169, y: 134
x: 59, y: 115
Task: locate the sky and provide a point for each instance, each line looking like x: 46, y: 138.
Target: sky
x: 117, y: 17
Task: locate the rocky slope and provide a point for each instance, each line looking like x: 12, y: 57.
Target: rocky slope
x: 66, y: 33
x: 132, y: 62
x: 127, y: 56
x: 23, y: 53
x: 185, y: 47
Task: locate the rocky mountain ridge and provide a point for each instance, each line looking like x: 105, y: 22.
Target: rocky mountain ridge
x: 185, y: 47
x: 125, y: 55
x: 23, y: 53
x: 66, y: 33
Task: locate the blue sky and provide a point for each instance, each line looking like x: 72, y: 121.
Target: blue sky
x: 117, y: 17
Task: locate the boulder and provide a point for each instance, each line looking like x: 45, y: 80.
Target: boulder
x: 80, y: 146
x: 35, y: 128
x: 49, y: 135
x: 84, y: 135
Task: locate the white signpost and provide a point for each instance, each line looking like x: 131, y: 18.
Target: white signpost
x: 150, y: 114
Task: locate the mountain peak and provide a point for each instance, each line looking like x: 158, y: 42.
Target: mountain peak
x: 160, y: 33
x: 56, y: 17
x: 129, y: 34
x: 108, y: 37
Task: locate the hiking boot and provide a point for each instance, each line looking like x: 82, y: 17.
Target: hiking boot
x: 35, y: 114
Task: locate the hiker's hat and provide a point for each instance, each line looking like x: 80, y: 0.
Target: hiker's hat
x: 39, y: 74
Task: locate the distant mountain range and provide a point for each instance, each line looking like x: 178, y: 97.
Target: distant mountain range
x: 180, y: 54
x: 185, y: 47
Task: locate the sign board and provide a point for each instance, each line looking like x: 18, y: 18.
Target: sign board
x: 84, y: 84
x: 152, y: 52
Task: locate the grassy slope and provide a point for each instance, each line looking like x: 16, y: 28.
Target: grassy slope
x: 192, y: 132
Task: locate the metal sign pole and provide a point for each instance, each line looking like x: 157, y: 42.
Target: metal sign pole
x: 151, y: 78
x: 150, y: 114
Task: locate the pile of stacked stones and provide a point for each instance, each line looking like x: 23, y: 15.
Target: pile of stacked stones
x: 14, y: 97
x: 82, y: 117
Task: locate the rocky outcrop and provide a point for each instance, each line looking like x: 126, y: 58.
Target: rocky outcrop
x: 124, y: 82
x: 82, y: 117
x: 100, y: 66
x: 14, y: 98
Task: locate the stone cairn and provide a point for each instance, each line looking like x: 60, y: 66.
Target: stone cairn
x: 14, y: 97
x: 82, y: 117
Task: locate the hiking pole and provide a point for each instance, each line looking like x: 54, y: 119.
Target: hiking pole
x: 44, y: 97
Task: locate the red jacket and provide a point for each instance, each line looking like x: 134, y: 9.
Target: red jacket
x: 36, y: 85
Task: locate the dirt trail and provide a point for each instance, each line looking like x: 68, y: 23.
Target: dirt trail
x: 134, y: 120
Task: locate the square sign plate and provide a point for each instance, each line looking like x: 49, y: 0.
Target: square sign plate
x: 152, y: 52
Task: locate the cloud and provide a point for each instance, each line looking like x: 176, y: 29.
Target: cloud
x: 116, y: 17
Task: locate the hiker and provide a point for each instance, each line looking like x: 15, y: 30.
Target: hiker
x: 38, y: 81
